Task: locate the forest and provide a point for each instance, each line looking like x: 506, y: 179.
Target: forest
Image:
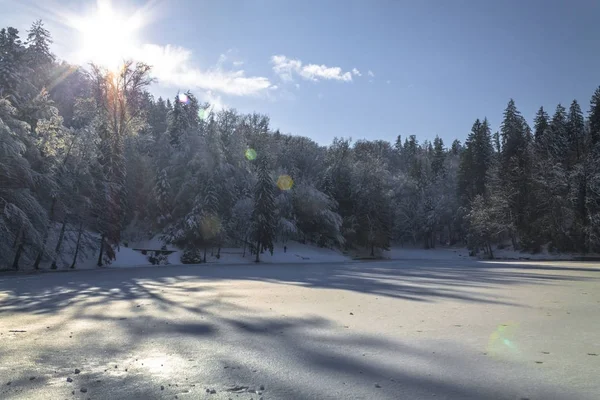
x: 91, y: 152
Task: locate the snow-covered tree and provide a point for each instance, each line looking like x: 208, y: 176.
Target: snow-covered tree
x: 263, y: 214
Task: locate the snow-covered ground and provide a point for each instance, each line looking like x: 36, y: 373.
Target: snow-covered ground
x: 442, y: 253
x: 407, y: 329
x: 293, y: 253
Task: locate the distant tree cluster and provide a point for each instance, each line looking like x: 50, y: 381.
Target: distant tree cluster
x: 92, y: 152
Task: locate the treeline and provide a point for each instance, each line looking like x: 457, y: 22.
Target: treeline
x: 91, y: 150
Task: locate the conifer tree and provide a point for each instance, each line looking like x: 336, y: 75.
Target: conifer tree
x: 263, y: 215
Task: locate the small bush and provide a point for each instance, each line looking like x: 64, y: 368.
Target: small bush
x: 158, y: 259
x: 191, y: 257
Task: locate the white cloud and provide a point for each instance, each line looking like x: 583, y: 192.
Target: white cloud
x: 297, y: 86
x: 238, y: 63
x: 371, y: 74
x: 356, y: 72
x: 216, y: 103
x: 286, y: 68
x: 315, y: 72
x: 173, y: 66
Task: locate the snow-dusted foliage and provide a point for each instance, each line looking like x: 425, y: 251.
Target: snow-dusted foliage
x: 90, y: 161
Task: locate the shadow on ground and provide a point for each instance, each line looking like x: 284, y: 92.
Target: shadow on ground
x: 418, y: 280
x: 136, y: 330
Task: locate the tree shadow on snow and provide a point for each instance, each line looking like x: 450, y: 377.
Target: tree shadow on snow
x: 175, y: 327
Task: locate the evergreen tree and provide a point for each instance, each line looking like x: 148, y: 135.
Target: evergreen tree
x: 456, y: 147
x: 591, y: 177
x: 541, y: 123
x: 38, y: 54
x: 264, y: 208
x: 183, y: 117
x: 475, y: 162
x: 12, y: 65
x: 575, y: 132
x: 515, y: 167
x: 594, y: 118
x: 439, y: 156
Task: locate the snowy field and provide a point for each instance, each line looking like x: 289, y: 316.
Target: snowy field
x: 293, y: 253
x: 448, y: 328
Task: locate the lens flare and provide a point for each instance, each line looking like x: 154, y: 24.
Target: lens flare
x: 285, y: 182
x: 203, y: 114
x: 250, y: 154
x: 210, y: 226
x: 502, y: 341
x: 183, y: 98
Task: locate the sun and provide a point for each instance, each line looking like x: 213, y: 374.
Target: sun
x: 106, y: 36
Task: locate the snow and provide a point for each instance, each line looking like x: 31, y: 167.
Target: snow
x: 126, y: 257
x: 296, y: 253
x: 510, y: 254
x: 155, y: 243
x: 408, y: 253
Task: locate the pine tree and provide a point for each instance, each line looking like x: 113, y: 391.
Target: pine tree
x: 576, y: 132
x: 475, y: 162
x: 183, y: 117
x: 594, y: 118
x: 12, y: 66
x: 541, y: 123
x: 439, y: 156
x: 398, y: 144
x: 211, y: 225
x: 497, y: 145
x: 515, y: 167
x: 591, y: 171
x: 556, y: 140
x: 264, y: 208
x: 38, y: 54
x: 162, y: 192
x: 23, y: 219
x: 456, y: 147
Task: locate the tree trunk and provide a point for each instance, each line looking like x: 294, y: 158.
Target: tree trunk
x: 17, y: 257
x: 204, y: 260
x: 18, y: 238
x: 513, y: 239
x: 219, y: 252
x: 101, y: 250
x: 59, y: 244
x: 372, y: 250
x: 38, y: 259
x: 77, y: 245
x: 244, y: 254
x: 257, y: 252
x: 490, y: 251
x: 18, y: 253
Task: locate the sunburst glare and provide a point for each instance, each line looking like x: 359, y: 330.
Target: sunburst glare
x: 107, y: 36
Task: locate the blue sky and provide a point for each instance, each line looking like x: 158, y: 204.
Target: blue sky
x: 436, y: 65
